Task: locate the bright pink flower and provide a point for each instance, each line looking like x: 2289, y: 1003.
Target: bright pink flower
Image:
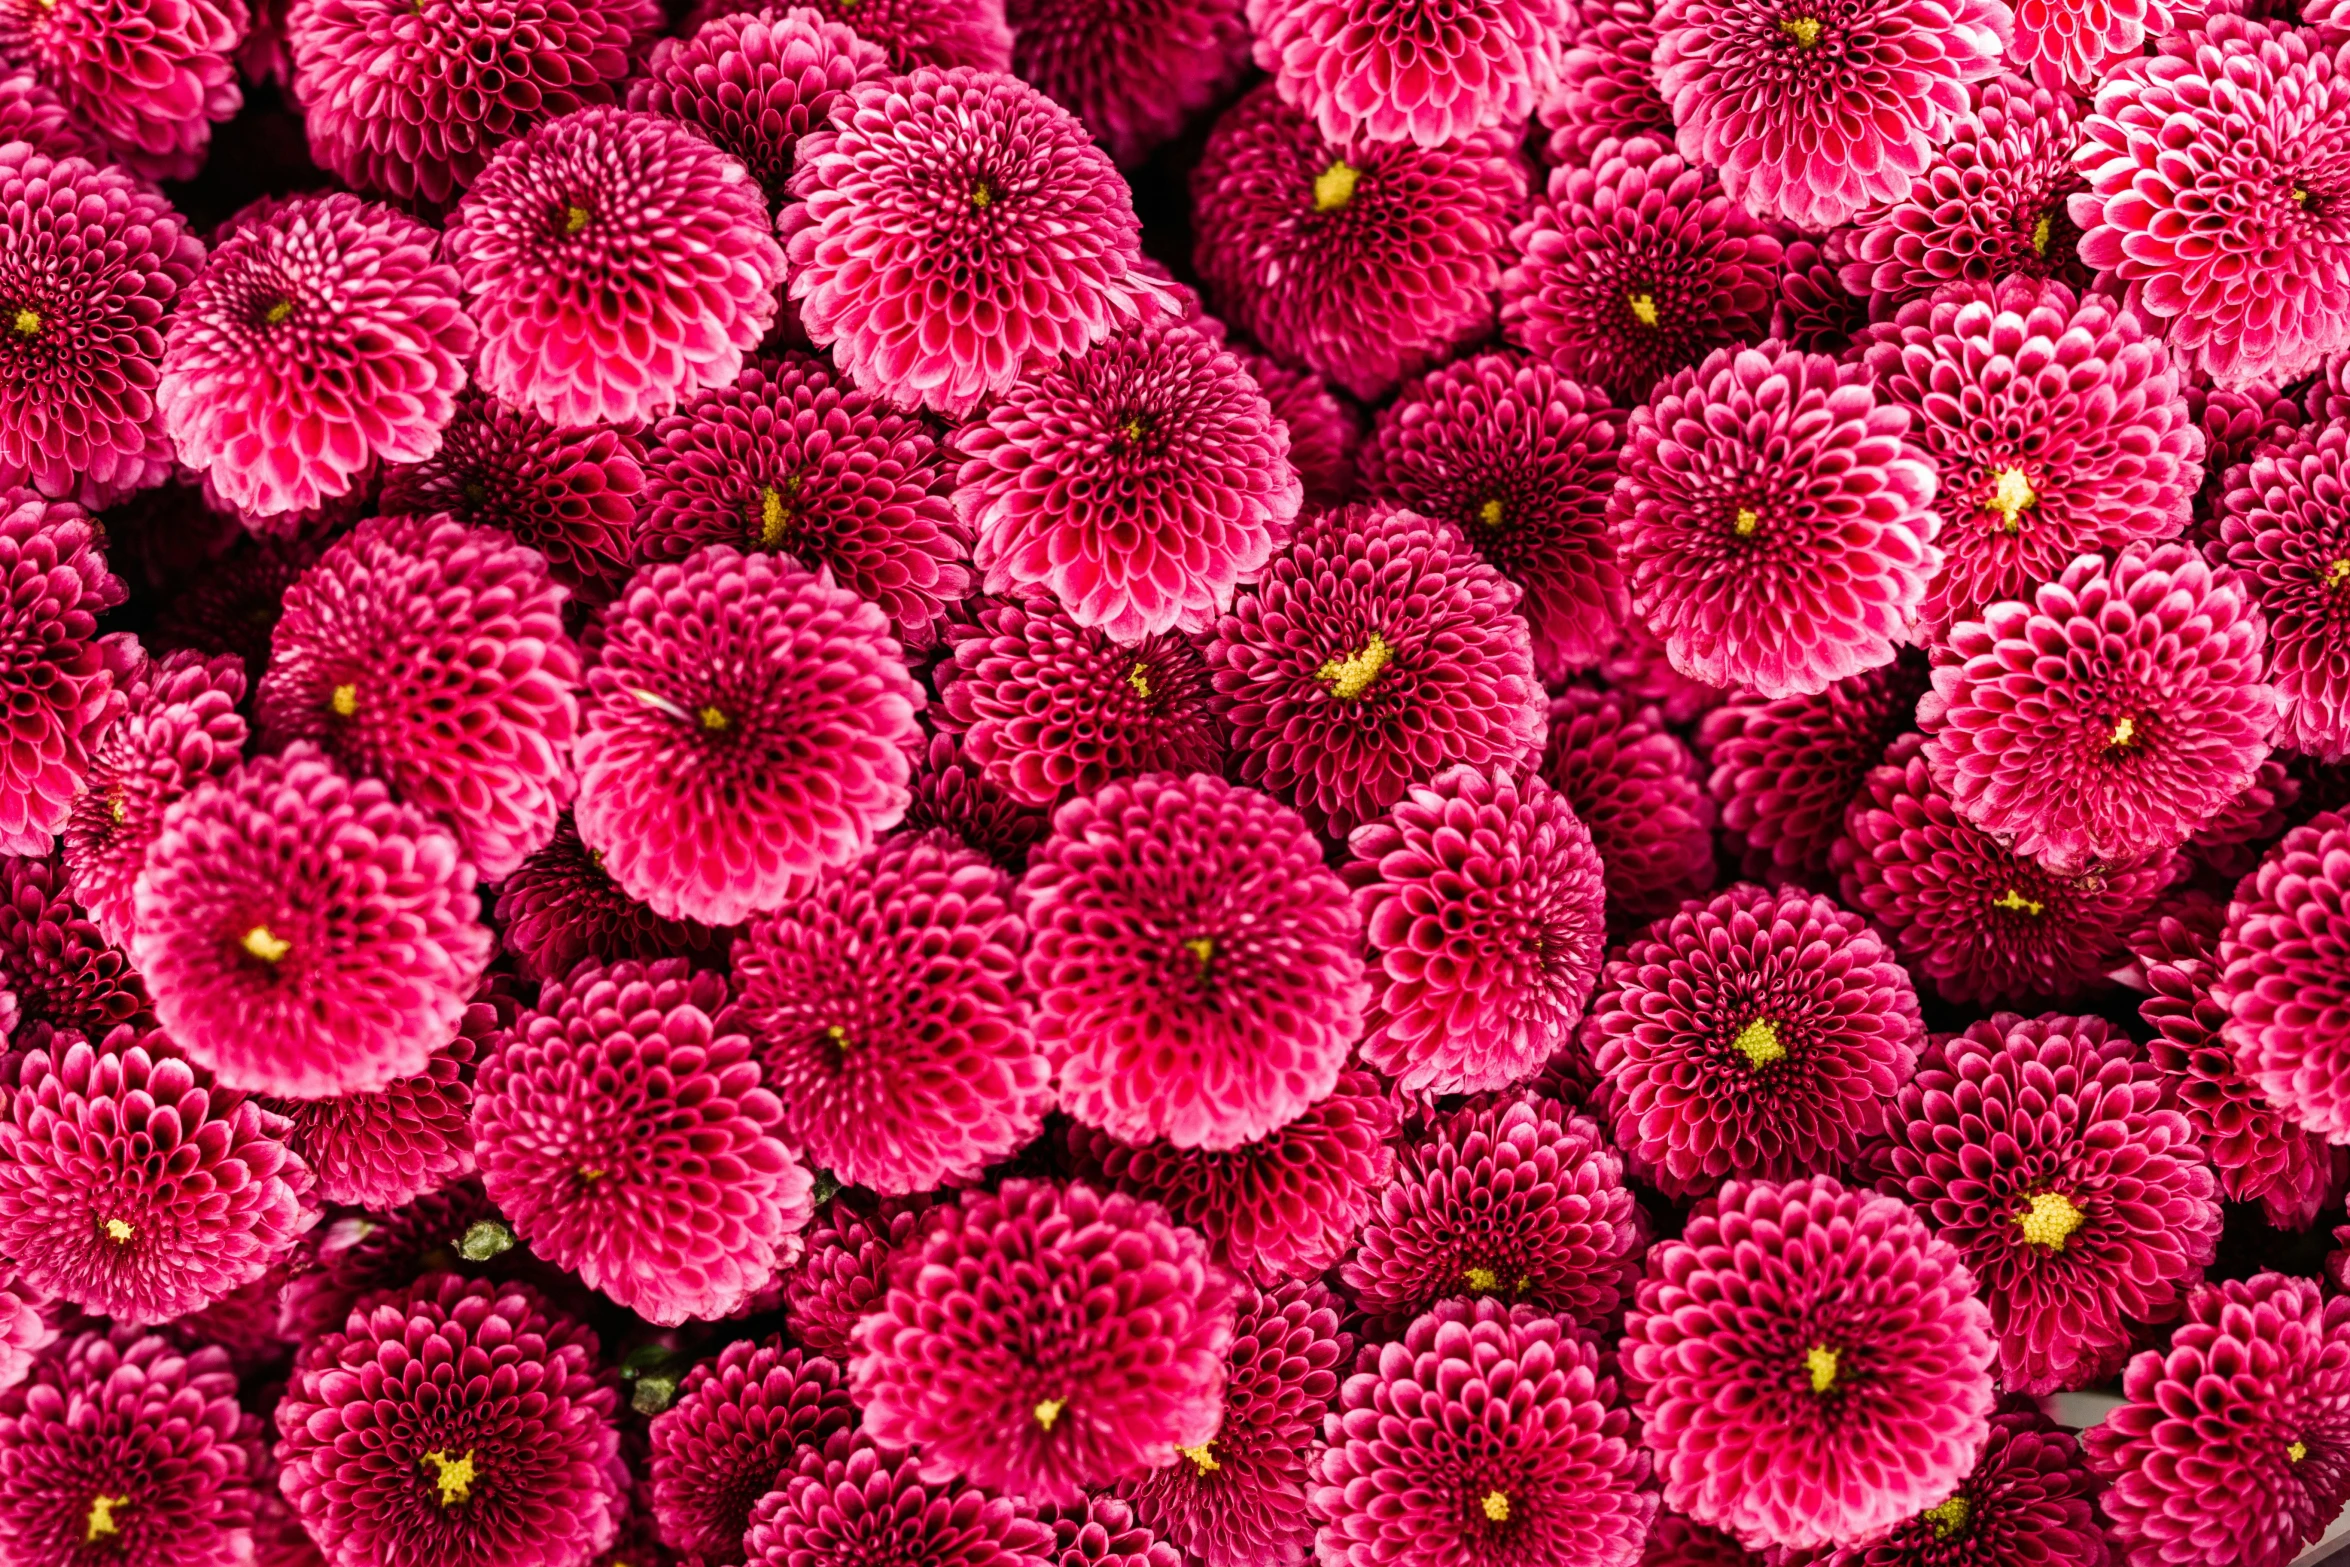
x: 914, y: 33
x: 146, y: 77
x: 2282, y: 527
x: 1607, y: 82
x: 852, y: 1248
x: 62, y: 682
x: 1423, y: 73
x: 2280, y: 981
x: 738, y: 1424
x: 31, y: 112
x: 1323, y: 431
x: 383, y: 1150
x: 851, y: 1503
x: 55, y: 966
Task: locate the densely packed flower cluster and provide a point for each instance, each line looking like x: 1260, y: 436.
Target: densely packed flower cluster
x: 1174, y: 783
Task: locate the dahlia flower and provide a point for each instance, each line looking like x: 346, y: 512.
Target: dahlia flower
x: 322, y: 336
x: 55, y: 966
x: 852, y: 1503
x: 952, y: 795
x: 1520, y: 459
x: 1811, y: 117
x: 852, y: 1247
x: 975, y: 1358
x: 135, y: 1188
x: 1607, y: 82
x: 1633, y: 266
x: 304, y: 933
x: 30, y: 112
x: 1427, y: 74
x: 746, y: 726
x: 617, y: 262
x: 1136, y: 73
x: 1193, y: 966
x: 738, y: 1423
x: 1484, y: 1434
x: 2278, y: 969
x: 2280, y: 526
x: 456, y: 1423
x: 1141, y: 482
x: 913, y: 33
x: 1638, y: 791
x: 559, y: 906
x: 385, y: 1149
x: 2111, y: 716
x: 1362, y: 261
x: 148, y: 78
x: 91, y: 259
x: 935, y: 289
x: 61, y: 680
x: 1810, y: 1364
x: 2059, y: 425
x: 885, y: 1012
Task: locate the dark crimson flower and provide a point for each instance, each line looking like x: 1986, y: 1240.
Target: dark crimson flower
x: 738, y: 1423
x: 1676, y: 1542
x: 845, y: 1270
x: 61, y: 681
x: 1639, y: 792
x: 952, y: 795
x: 232, y: 605
x: 1136, y: 73
x: 2278, y: 976
x: 559, y: 907
x: 1814, y: 312
x: 2238, y: 425
x: 1323, y: 431
x: 1425, y: 74
x: 148, y: 78
x: 853, y: 1504
x: 944, y: 33
x: 55, y: 964
x: 385, y: 1149
x: 1606, y: 89
x: 347, y: 1259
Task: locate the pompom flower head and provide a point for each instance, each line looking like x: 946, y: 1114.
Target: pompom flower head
x: 90, y: 262
x: 31, y: 112
x: 1362, y: 261
x: 2045, y: 1153
x: 2111, y: 716
x: 625, y: 1132
x: 2279, y: 979
x: 885, y: 1009
x: 1607, y: 82
x: 1520, y: 459
x: 1193, y: 965
x: 55, y: 965
x: 1637, y: 790
x: 913, y: 33
x: 1378, y: 649
x: 1635, y: 265
x: 1811, y: 116
x: 1423, y: 73
x: 1760, y: 1034
x: 2282, y: 528
x: 1774, y: 523
x: 1141, y: 481
x: 147, y: 77
x: 304, y: 933
x: 1484, y: 910
x: 2261, y: 289
x: 953, y: 228
x: 851, y: 1250
x: 738, y: 1424
x: 455, y: 1423
x: 322, y: 336
x: 136, y: 1189
x: 746, y: 725
x: 2029, y: 1498
x: 953, y: 795
x: 1484, y: 1434
x: 617, y: 262
x: 559, y: 906
x: 1811, y: 1364
x: 432, y: 655
x: 1135, y: 73
x: 974, y: 1357
x: 61, y: 680
x: 852, y: 1503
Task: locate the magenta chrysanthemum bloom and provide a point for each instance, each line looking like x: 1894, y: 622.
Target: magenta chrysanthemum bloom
x: 2239, y: 424
x: 62, y: 681
x: 851, y: 1503
x: 1774, y: 523
x: 1639, y: 792
x: 1240, y: 1500
x: 1323, y: 432
x: 572, y: 495
x: 886, y: 1013
x: 1762, y: 1034
x: 559, y: 906
x: 1137, y: 73
x: 146, y: 77
x: 2059, y: 425
x: 1519, y: 1201
x: 91, y: 259
x: 1520, y: 459
x: 1193, y: 964
x: 181, y: 729
x: 2110, y: 717
x: 385, y: 1149
x: 851, y: 1250
x: 1783, y: 772
x: 792, y: 458
x: 1364, y: 262
x: 937, y: 288
x: 1428, y: 74
x: 1048, y: 709
x: 2279, y: 965
x: 952, y: 795
x: 1811, y: 1364
x: 1484, y: 911
x: 1487, y: 1435
x: 1814, y: 313
x: 55, y: 966
x: 455, y: 1424
x: 617, y: 262
x: 1977, y: 921
x: 2282, y: 526
x: 30, y: 112
x: 747, y: 725
x: 134, y: 1188
x: 914, y: 33
x: 756, y: 83
x: 125, y: 1447
x: 1377, y: 650
x: 432, y: 655
x: 1812, y: 116
x: 2045, y: 1154
x: 322, y: 336
x: 304, y: 933
x: 1285, y: 1206
x: 2231, y: 133
x: 1606, y: 89
x: 1101, y: 1531
x: 625, y: 1132
x: 26, y: 1327
x: 1636, y: 265
x: 732, y: 1435
x: 975, y: 1356
x: 1141, y: 482
x: 1990, y: 205
x: 413, y: 108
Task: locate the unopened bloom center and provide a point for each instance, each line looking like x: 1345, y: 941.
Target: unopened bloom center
x: 1747, y: 520
x: 1139, y: 677
x: 1351, y: 676
x: 2336, y: 570
x: 454, y: 1476
x: 1049, y: 1410
x: 2296, y: 1450
x: 1805, y: 30
x: 982, y: 195
x: 101, y: 1524
x: 2011, y: 493
x: 1497, y: 1506
x: 1644, y: 309
x: 713, y: 719
x: 1334, y: 187
x: 120, y: 1232
x: 1482, y: 1281
x: 115, y: 807
x: 1946, y: 1518
x: 838, y: 1035
x: 2050, y: 1220
x: 1201, y: 1456
x: 574, y: 219
x: 2016, y: 903
x: 2123, y: 732
x: 279, y: 313
x: 1202, y: 948
x: 1758, y: 1041
x: 263, y: 943
x: 27, y: 323
x: 344, y: 700
x: 2040, y: 229
x: 1819, y: 1363
x: 772, y: 515
x: 1490, y: 514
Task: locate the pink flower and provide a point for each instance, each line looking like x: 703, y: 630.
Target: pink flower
x: 1136, y: 73
x: 146, y: 77
x: 852, y: 1502
x: 559, y: 906
x: 2283, y: 532
x: 1420, y: 73
x: 1607, y: 82
x: 914, y: 33
x: 31, y: 112
x: 55, y: 966
x: 61, y: 680
x: 385, y: 1149
x: 1638, y: 791
x: 2278, y: 977
x: 852, y: 1248
x: 738, y: 1424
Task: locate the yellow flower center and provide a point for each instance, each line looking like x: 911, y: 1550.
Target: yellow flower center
x: 1746, y: 522
x: 1139, y: 677
x: 838, y: 1035
x: 574, y: 219
x: 28, y: 323
x: 1351, y: 676
x: 2123, y: 732
x: 1334, y: 187
x: 773, y: 514
x: 2300, y: 197
x: 2336, y: 570
x: 1202, y: 948
x: 713, y: 719
x: 261, y: 942
x: 344, y: 700
x: 279, y: 313
x: 2016, y: 903
x: 120, y: 1232
x: 592, y: 1173
x: 1490, y: 514
x: 1758, y: 1041
x: 1946, y: 1518
x: 1049, y: 1410
x: 1497, y: 1507
x: 1201, y: 1456
x: 2296, y: 1451
x: 1805, y: 30
x: 1644, y: 309
x: 454, y: 1476
x: 2050, y: 1220
x: 1482, y: 1281
x: 2040, y: 228
x: 116, y: 808
x: 1819, y: 1363
x: 982, y: 195
x: 101, y: 1524
x: 2011, y: 493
